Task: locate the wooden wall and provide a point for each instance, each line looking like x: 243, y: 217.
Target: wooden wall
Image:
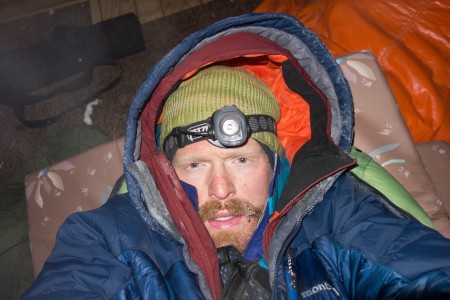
x: 146, y: 10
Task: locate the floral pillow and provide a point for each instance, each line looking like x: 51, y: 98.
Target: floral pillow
x: 80, y: 183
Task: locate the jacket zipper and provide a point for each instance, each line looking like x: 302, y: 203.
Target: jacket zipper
x: 296, y: 198
x: 297, y: 227
x: 292, y: 275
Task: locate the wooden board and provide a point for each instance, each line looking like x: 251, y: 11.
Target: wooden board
x: 15, y: 9
x: 146, y: 10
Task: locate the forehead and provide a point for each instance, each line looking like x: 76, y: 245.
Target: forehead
x: 206, y: 149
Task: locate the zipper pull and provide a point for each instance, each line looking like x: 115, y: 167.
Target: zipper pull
x: 292, y: 275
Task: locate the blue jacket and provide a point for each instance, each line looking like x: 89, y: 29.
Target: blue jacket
x: 329, y: 234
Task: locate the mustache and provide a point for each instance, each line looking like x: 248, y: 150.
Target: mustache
x: 233, y: 206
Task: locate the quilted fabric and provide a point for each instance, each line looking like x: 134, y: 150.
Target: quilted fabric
x: 410, y: 39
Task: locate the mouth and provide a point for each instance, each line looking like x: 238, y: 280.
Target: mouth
x: 223, y: 219
x: 226, y: 220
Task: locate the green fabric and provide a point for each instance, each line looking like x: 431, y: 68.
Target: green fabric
x: 123, y: 189
x: 375, y: 175
x: 16, y: 272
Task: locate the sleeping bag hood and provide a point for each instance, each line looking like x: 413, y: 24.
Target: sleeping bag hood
x: 315, y: 129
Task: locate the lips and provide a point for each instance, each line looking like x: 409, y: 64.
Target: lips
x: 225, y: 220
x: 222, y: 219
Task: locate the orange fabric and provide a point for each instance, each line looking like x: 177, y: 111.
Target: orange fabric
x: 410, y: 39
x: 294, y: 126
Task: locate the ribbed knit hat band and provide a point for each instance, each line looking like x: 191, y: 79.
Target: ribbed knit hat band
x: 197, y: 99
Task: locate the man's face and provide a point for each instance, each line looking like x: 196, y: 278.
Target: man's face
x: 232, y: 186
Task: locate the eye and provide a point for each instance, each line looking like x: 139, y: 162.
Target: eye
x: 242, y: 160
x: 193, y: 165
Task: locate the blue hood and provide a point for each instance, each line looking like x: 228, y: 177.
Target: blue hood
x: 285, y: 30
x: 309, y: 70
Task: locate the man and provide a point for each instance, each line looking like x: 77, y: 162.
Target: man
x: 237, y: 171
x: 232, y: 184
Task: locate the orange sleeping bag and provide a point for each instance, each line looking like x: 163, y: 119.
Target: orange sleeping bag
x: 411, y: 40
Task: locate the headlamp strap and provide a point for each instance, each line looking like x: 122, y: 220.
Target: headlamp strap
x: 203, y: 130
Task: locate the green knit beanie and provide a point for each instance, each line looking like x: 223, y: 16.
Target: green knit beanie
x: 212, y: 88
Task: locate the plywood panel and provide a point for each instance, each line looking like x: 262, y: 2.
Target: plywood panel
x: 174, y: 6
x: 13, y: 9
x: 107, y: 9
x: 96, y: 11
x: 146, y: 10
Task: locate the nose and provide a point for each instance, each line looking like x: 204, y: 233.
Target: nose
x: 221, y: 186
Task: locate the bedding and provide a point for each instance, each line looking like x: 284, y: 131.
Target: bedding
x: 16, y: 272
x: 79, y: 183
x: 381, y: 132
x: 410, y: 40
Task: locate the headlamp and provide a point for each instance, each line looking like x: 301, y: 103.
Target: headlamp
x: 230, y: 128
x: 227, y: 127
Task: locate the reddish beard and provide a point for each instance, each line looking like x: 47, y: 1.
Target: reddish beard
x: 237, y: 238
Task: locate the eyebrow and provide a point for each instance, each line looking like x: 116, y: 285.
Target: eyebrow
x: 195, y: 156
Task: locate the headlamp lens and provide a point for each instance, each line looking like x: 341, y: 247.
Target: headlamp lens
x: 230, y: 126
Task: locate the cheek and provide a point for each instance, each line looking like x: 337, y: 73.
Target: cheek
x: 192, y: 177
x: 197, y: 180
x: 255, y: 186
x: 200, y: 183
